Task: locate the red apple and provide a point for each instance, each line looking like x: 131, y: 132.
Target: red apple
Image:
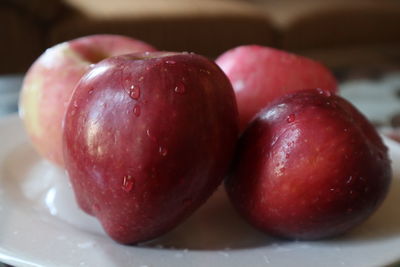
x: 49, y: 83
x: 309, y: 166
x: 261, y: 74
x: 147, y: 139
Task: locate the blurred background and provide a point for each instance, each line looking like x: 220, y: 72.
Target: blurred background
x: 355, y: 38
x: 337, y: 32
x: 358, y: 39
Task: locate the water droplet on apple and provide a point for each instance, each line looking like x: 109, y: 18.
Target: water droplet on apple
x: 75, y: 104
x: 205, y: 71
x: 324, y: 92
x: 134, y: 92
x: 180, y: 88
x: 127, y: 183
x: 141, y: 78
x: 152, y: 138
x: 331, y: 103
x: 170, y: 62
x: 291, y: 118
x: 136, y: 110
x: 163, y: 151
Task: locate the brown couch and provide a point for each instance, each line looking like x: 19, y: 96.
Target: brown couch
x: 338, y: 32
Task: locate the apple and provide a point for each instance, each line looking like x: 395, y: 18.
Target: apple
x: 49, y: 83
x: 309, y: 166
x: 261, y: 74
x: 147, y: 138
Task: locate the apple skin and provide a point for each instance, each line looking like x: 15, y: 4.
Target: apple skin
x: 147, y: 139
x: 309, y: 166
x: 49, y: 83
x: 260, y: 75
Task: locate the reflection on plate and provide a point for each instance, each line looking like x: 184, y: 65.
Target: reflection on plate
x: 41, y: 226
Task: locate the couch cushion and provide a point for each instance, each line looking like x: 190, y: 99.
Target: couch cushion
x: 311, y: 24
x: 206, y: 27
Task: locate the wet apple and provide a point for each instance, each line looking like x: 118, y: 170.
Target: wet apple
x: 147, y: 139
x: 309, y: 166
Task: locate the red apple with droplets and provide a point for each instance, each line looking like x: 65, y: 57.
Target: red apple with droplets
x: 147, y: 139
x: 259, y: 75
x: 309, y: 166
x: 49, y: 83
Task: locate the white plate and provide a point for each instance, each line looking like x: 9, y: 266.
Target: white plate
x: 40, y: 225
